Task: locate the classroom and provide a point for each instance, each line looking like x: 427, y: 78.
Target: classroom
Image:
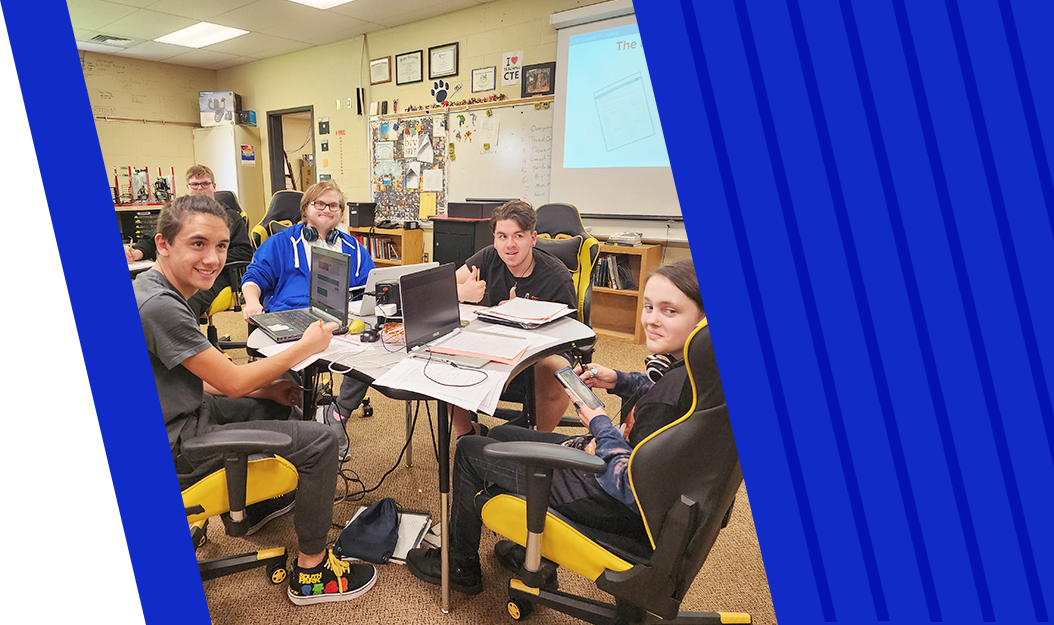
x: 469, y: 90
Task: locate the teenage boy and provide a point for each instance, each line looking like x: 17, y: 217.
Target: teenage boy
x: 201, y: 181
x: 201, y: 391
x: 514, y: 267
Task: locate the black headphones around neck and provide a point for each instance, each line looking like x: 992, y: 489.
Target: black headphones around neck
x: 658, y: 365
x: 310, y: 235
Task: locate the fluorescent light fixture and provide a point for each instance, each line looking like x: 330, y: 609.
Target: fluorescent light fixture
x: 322, y: 4
x: 200, y: 35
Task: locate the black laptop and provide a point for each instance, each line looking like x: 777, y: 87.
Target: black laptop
x: 330, y: 279
x: 431, y: 312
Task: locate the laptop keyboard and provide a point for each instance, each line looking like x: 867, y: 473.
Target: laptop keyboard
x: 299, y: 319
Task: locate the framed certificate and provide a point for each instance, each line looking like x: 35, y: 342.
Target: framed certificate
x: 483, y: 79
x: 380, y: 70
x: 408, y: 67
x: 442, y: 61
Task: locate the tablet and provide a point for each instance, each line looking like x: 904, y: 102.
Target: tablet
x: 578, y: 388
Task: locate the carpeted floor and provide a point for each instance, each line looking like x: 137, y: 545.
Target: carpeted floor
x: 732, y: 580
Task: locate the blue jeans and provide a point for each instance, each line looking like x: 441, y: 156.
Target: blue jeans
x: 576, y: 495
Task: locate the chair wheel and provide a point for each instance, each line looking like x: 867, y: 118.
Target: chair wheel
x: 367, y: 411
x: 519, y: 609
x: 276, y: 571
x: 199, y: 535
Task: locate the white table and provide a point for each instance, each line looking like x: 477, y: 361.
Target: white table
x: 564, y: 334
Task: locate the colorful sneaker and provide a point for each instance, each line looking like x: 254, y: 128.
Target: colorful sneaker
x: 332, y: 580
x: 426, y: 565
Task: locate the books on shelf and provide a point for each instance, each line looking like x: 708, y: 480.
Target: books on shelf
x: 613, y: 272
x: 379, y: 247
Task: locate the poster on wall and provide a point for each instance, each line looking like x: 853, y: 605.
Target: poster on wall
x: 511, y: 65
x: 248, y: 156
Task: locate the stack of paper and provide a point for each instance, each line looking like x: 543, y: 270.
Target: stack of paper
x: 528, y: 313
x: 506, y: 350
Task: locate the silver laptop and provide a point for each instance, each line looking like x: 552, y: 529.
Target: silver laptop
x: 330, y: 276
x: 367, y: 306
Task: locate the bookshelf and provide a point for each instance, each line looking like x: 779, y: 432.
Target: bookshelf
x: 407, y: 245
x: 609, y: 314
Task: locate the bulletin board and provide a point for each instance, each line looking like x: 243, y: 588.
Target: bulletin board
x: 408, y: 159
x: 516, y: 165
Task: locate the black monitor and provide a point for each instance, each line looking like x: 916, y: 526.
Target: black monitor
x: 430, y: 306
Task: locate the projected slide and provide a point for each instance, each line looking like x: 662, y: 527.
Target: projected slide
x: 611, y: 116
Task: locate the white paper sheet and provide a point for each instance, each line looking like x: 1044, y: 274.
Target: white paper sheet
x: 432, y: 180
x: 447, y: 383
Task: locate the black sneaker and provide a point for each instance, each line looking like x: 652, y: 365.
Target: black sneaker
x: 332, y: 580
x: 512, y: 555
x: 426, y: 565
x: 260, y: 514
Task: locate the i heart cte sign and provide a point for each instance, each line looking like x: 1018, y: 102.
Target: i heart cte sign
x: 511, y: 64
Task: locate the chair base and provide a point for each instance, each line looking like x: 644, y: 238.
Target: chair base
x: 522, y: 599
x: 273, y: 559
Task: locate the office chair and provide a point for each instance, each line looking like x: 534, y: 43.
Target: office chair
x: 283, y: 212
x: 684, y: 477
x: 230, y: 297
x: 562, y: 234
x: 245, y: 479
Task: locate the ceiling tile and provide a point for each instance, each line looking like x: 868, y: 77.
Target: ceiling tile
x: 145, y: 24
x: 319, y: 32
x: 152, y: 51
x: 238, y: 60
x: 94, y: 47
x: 202, y: 10
x: 295, y: 46
x: 200, y: 58
x: 94, y: 14
x: 380, y: 11
x: 139, y: 4
x: 253, y: 43
x: 264, y: 14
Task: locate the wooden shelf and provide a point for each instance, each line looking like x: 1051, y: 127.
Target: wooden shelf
x: 409, y: 244
x: 609, y: 314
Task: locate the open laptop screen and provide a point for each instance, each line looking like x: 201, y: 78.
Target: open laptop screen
x: 429, y: 301
x: 330, y: 278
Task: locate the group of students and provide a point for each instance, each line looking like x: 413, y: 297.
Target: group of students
x: 201, y: 390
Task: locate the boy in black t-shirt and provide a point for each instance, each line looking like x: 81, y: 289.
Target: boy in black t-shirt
x: 513, y: 267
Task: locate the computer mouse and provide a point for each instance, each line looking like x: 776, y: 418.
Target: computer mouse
x: 369, y: 336
x: 356, y: 326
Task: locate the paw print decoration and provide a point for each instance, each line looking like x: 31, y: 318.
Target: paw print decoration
x: 439, y: 91
x: 442, y: 93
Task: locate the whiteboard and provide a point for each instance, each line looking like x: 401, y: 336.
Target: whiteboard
x: 518, y: 166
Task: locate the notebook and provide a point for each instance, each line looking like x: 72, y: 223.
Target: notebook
x: 367, y: 306
x: 431, y: 312
x: 330, y: 278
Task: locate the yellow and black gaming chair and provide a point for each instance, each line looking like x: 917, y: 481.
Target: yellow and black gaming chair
x: 562, y: 234
x: 230, y: 297
x: 284, y: 211
x: 684, y: 477
x: 245, y: 479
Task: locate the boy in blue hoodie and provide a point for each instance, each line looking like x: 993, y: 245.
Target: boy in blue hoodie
x: 279, y: 277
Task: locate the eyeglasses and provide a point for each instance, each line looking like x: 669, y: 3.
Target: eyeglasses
x: 200, y: 185
x: 324, y: 207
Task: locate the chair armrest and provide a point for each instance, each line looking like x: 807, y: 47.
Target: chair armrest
x: 239, y: 441
x: 546, y: 455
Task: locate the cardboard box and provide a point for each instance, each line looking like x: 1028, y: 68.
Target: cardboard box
x: 219, y: 108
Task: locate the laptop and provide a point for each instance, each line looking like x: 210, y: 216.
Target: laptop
x: 431, y: 312
x: 367, y: 306
x: 330, y: 277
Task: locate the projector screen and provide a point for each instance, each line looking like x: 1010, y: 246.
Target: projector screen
x: 609, y: 151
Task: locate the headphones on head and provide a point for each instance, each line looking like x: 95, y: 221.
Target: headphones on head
x: 310, y: 234
x: 659, y: 365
